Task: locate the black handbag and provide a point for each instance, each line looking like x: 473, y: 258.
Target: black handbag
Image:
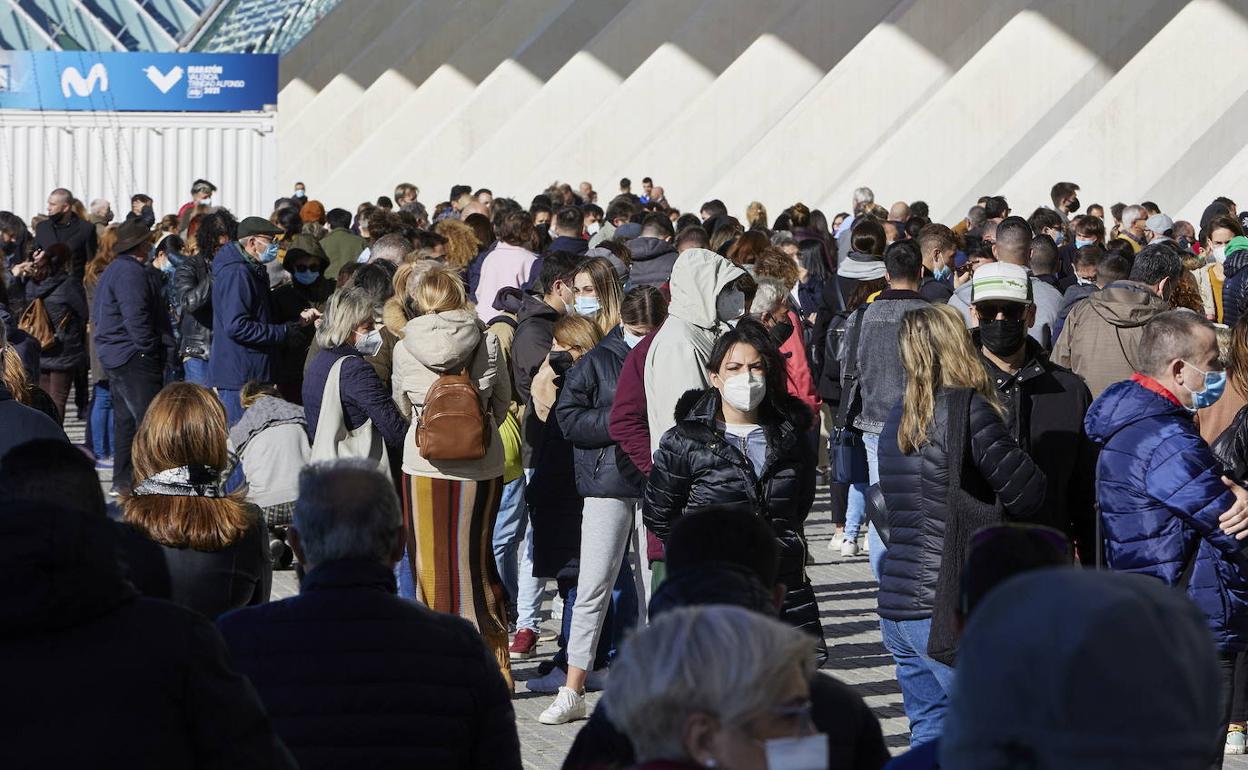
x: 877, y: 512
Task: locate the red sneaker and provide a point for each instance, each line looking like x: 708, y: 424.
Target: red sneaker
x: 523, y: 645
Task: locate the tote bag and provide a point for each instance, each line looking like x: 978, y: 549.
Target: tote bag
x: 334, y: 441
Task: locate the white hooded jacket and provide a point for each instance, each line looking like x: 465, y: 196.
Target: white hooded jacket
x: 439, y: 343
x: 676, y: 362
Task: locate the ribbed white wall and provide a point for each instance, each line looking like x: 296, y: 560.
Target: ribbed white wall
x: 776, y: 101
x: 115, y: 155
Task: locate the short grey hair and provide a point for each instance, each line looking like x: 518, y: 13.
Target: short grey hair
x: 1168, y: 336
x: 771, y: 292
x: 1131, y: 215
x: 863, y: 196
x: 347, y: 509
x: 725, y: 661
x: 346, y: 309
x: 391, y: 247
x: 100, y: 205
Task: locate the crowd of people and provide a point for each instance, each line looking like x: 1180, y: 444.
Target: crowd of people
x: 1035, y: 429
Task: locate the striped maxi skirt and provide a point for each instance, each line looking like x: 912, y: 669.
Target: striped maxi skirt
x: 448, y: 529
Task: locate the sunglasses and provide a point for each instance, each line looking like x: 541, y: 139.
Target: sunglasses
x: 1010, y: 311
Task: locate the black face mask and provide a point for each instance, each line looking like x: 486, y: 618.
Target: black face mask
x: 560, y: 361
x: 1003, y: 338
x: 1073, y: 206
x: 781, y: 332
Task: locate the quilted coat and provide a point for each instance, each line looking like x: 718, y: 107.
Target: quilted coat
x: 1160, y: 491
x: 916, y: 488
x: 696, y: 468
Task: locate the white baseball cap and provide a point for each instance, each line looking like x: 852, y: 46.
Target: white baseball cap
x: 1001, y: 281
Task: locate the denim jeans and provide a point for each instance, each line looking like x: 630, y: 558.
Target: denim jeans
x: 855, y: 510
x: 233, y: 404
x: 509, y: 530
x: 925, y: 683
x: 102, y: 421
x: 196, y: 371
x: 872, y: 443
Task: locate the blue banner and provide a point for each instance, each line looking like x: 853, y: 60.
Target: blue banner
x: 137, y: 82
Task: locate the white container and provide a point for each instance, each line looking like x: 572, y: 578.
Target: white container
x: 114, y: 155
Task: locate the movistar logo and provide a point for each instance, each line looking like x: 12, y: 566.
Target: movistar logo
x: 72, y: 80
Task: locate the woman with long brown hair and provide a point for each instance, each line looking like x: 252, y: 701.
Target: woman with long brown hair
x: 948, y: 466
x: 598, y: 293
x: 215, y: 544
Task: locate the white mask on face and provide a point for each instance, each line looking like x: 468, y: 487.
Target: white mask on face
x: 592, y: 228
x: 369, y: 343
x: 1219, y: 254
x: 809, y: 752
x: 744, y: 392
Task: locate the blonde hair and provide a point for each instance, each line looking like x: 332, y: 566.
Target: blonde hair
x: 255, y: 390
x: 13, y: 374
x: 756, y: 214
x: 104, y: 256
x: 577, y: 332
x: 438, y: 289
x: 607, y: 287
x: 185, y: 425
x: 461, y: 242
x: 936, y: 352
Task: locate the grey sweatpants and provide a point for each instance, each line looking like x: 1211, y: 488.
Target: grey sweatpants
x: 608, y: 532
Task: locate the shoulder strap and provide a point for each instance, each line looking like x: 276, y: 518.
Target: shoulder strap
x: 955, y: 436
x: 850, y: 404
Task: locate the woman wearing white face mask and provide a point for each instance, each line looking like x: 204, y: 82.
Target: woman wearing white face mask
x: 598, y: 294
x: 740, y: 444
x: 1211, y: 277
x: 611, y: 486
x: 345, y: 335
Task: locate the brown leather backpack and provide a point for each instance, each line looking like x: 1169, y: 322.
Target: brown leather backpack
x: 452, y: 424
x: 36, y: 322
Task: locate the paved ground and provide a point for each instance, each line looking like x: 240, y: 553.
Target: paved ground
x: 846, y: 593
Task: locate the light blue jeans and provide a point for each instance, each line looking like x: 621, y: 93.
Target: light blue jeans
x: 509, y: 529
x: 872, y: 443
x: 855, y: 510
x: 529, y: 589
x: 925, y: 683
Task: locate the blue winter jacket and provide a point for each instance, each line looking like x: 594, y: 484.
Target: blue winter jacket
x: 244, y: 337
x: 1160, y: 491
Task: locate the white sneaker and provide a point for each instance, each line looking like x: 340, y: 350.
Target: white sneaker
x: 569, y: 706
x: 849, y: 548
x: 551, y: 683
x: 836, y: 540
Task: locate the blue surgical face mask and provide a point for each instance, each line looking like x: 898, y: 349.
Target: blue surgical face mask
x: 306, y: 277
x: 269, y: 254
x: 1081, y: 242
x: 587, y: 305
x: 630, y: 339
x: 942, y: 273
x: 1059, y: 238
x: 1215, y: 385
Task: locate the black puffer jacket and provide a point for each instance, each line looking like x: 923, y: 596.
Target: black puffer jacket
x: 915, y: 486
x: 1235, y: 290
x: 66, y: 304
x: 71, y: 623
x: 192, y: 291
x: 584, y: 408
x: 696, y: 467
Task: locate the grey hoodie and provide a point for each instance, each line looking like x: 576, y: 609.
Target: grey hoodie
x: 676, y: 361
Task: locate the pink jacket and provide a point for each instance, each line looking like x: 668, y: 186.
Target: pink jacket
x: 505, y: 266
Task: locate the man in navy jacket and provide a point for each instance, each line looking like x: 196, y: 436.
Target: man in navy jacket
x: 244, y: 337
x: 133, y: 338
x: 1166, y: 509
x: 351, y: 674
